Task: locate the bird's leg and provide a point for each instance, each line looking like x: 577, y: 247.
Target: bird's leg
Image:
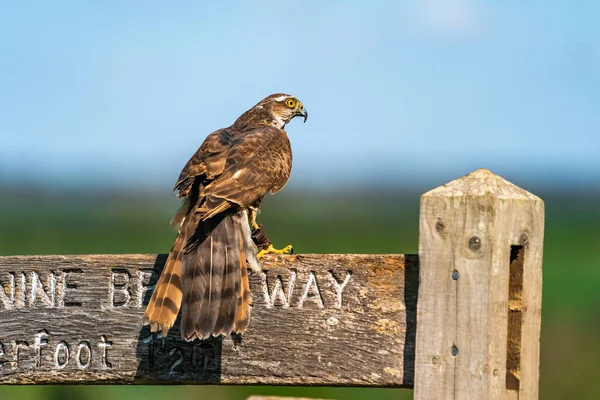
x: 253, y: 213
x: 261, y: 240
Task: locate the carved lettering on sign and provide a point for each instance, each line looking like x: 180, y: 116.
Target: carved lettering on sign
x: 7, y: 292
x: 199, y: 356
x: 84, y: 355
x: 149, y: 341
x: 66, y: 294
x: 311, y: 292
x: 19, y: 345
x: 20, y: 301
x: 118, y: 291
x: 61, y: 358
x: 2, y: 362
x: 207, y: 356
x: 144, y: 279
x: 179, y: 358
x: 61, y: 355
x: 278, y: 292
x: 38, y: 343
x: 104, y: 345
x: 128, y: 289
x: 339, y: 287
x: 39, y: 289
x: 46, y: 294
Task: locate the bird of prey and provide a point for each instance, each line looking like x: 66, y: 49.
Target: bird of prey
x: 223, y: 184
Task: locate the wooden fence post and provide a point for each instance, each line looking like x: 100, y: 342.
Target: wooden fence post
x: 479, y: 307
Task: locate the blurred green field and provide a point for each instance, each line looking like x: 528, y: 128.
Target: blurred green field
x: 38, y: 222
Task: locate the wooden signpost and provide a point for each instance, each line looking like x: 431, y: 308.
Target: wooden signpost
x: 459, y: 321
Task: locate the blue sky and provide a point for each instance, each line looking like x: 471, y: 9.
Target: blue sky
x: 123, y: 92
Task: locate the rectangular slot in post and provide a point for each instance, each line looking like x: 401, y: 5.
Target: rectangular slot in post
x: 515, y: 318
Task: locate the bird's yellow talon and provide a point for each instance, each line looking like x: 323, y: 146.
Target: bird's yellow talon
x: 272, y: 250
x: 286, y: 250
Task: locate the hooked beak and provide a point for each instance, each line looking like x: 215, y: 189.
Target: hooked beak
x: 303, y: 113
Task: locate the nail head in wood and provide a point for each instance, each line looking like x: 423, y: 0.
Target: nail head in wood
x: 475, y: 243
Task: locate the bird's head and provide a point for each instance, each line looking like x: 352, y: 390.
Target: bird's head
x: 284, y: 107
x: 277, y: 109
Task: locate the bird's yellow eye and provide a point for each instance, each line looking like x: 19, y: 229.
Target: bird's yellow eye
x: 291, y: 103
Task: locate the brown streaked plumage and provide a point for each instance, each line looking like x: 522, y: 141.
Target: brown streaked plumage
x: 225, y: 180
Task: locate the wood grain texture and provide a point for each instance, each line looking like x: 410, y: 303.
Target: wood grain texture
x: 479, y: 310
x: 316, y: 320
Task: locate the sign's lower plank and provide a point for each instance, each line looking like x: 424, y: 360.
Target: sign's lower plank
x: 316, y: 320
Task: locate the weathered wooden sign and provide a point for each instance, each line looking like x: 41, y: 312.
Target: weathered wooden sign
x: 316, y: 319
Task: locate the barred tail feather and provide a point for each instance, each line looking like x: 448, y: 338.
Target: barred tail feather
x: 244, y: 299
x: 214, y: 274
x: 206, y: 275
x: 250, y: 259
x: 165, y: 302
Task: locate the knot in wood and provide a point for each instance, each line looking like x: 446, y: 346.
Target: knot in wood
x: 524, y: 240
x: 440, y: 226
